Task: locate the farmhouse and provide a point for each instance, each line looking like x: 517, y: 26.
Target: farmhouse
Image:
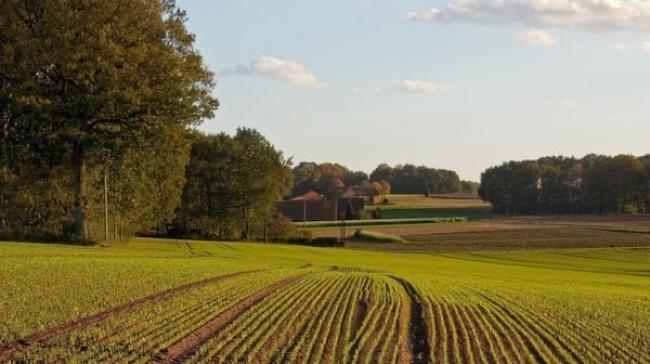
x: 314, y: 206
x: 369, y: 194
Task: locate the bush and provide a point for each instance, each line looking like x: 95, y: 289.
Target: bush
x: 374, y: 237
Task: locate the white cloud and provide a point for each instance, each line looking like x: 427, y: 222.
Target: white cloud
x: 641, y: 46
x: 588, y: 15
x: 419, y: 86
x: 536, y: 38
x: 290, y: 71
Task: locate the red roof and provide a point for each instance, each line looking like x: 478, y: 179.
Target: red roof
x: 309, y: 196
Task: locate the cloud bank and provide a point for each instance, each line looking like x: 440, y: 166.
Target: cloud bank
x: 587, y: 15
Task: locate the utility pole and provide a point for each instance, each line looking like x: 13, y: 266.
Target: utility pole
x: 342, y: 235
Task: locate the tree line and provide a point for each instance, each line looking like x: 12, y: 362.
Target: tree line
x: 566, y: 185
x: 411, y: 179
x: 330, y: 179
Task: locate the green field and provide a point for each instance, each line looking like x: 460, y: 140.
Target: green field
x: 418, y: 206
x: 181, y: 301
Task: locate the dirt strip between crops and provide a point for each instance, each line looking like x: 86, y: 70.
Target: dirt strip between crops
x: 187, y: 346
x: 416, y: 349
x: 48, y: 336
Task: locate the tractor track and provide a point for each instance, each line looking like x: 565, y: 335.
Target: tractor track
x: 420, y: 329
x: 47, y: 336
x: 185, y: 347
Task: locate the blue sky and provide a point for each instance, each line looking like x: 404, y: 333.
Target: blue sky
x: 460, y: 84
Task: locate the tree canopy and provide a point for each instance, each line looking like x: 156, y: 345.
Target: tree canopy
x: 557, y: 185
x: 232, y: 185
x: 411, y: 179
x: 95, y: 85
x: 326, y: 178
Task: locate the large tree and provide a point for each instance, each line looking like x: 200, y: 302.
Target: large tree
x: 81, y: 77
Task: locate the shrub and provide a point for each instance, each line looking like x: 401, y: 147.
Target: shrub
x: 375, y: 237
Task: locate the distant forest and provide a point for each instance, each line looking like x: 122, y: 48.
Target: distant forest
x: 331, y: 178
x: 560, y: 185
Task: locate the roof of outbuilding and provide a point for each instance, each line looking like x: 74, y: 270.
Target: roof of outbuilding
x: 309, y: 196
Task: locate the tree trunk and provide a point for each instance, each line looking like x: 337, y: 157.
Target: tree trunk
x: 106, y: 237
x: 246, y: 223
x: 4, y: 160
x: 116, y: 212
x: 80, y: 198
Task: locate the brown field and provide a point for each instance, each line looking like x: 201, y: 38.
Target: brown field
x: 489, y: 232
x: 524, y: 236
x: 435, y: 201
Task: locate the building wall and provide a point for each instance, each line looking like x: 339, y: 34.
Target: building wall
x: 321, y: 210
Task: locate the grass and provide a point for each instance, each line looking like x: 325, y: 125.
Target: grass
x: 477, y: 303
x: 356, y: 223
x: 419, y: 206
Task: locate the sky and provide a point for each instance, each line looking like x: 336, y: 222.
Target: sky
x: 458, y: 84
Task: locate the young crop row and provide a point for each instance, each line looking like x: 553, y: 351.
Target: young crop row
x: 327, y: 317
x: 43, y: 286
x: 486, y: 323
x: 571, y: 306
x: 138, y: 335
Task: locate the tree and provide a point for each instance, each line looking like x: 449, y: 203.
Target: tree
x: 232, y: 185
x: 306, y: 176
x: 469, y: 187
x: 327, y: 178
x: 85, y: 77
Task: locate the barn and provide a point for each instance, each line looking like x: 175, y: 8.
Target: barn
x: 314, y: 206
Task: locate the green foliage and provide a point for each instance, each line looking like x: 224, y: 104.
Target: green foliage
x: 93, y: 86
x: 232, y: 185
x: 556, y: 185
x: 411, y: 179
x: 375, y: 237
x: 326, y: 178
